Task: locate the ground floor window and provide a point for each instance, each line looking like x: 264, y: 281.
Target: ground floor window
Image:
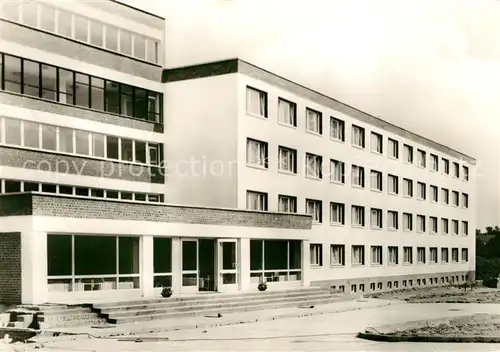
x: 92, y: 263
x: 162, y: 261
x: 275, y: 260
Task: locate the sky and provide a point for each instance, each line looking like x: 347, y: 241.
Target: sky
x: 430, y: 66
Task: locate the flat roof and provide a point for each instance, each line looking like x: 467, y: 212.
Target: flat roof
x: 138, y: 9
x: 236, y: 65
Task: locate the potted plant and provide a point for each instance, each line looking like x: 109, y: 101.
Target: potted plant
x: 166, y: 292
x: 262, y: 286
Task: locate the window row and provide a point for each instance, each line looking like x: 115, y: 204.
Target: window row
x: 288, y: 204
x: 16, y: 186
x: 45, y: 81
x: 75, y: 26
x: 392, y: 255
x: 30, y: 134
x: 258, y: 156
x: 257, y: 101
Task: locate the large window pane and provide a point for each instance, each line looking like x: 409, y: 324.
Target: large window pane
x: 139, y: 47
x: 31, y: 134
x: 82, y: 142
x: 97, y: 144
x: 112, y: 147
x: 127, y: 106
x: 31, y: 78
x: 111, y: 38
x: 141, y: 103
x: 127, y: 152
x: 12, y: 186
x: 140, y: 152
x: 96, y: 33
x: 128, y: 251
x: 97, y: 98
x: 162, y: 248
x: 189, y: 255
x: 12, y: 131
x: 82, y: 90
x: 66, y: 140
x: 47, y: 18
x: 30, y: 13
x: 112, y: 97
x: 154, y: 106
x: 11, y: 10
x: 49, y: 82
x: 95, y: 255
x: 12, y: 73
x: 256, y: 255
x: 275, y: 254
x: 64, y: 23
x: 66, y: 86
x: 81, y: 28
x: 152, y: 54
x: 49, y: 137
x: 295, y: 254
x: 125, y: 42
x: 59, y: 261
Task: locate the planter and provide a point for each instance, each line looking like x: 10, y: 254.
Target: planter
x: 166, y: 292
x: 262, y: 286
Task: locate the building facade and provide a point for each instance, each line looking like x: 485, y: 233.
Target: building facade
x: 118, y: 178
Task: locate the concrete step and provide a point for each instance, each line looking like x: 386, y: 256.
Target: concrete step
x: 64, y: 310
x: 68, y: 317
x: 71, y: 323
x: 214, y: 312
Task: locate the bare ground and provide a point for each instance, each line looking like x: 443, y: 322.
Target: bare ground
x: 443, y: 295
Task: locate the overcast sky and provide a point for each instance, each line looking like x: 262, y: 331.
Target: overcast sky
x: 432, y: 66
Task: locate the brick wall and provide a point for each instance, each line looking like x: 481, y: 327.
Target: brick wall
x: 10, y: 268
x: 33, y: 103
x: 38, y: 160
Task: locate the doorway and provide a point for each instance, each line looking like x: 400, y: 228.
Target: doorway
x: 207, y: 264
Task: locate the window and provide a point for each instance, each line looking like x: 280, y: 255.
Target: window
x: 420, y: 255
x: 140, y: 152
x: 376, y: 180
x: 96, y: 33
x: 454, y: 255
x: 66, y: 86
x: 358, y: 176
x: 393, y: 184
x: 446, y: 166
x: 445, y: 195
x: 314, y: 165
x: 421, y: 190
x: 465, y: 171
x: 407, y: 255
x: 112, y: 149
x: 433, y: 255
x: 337, y: 213
x: 152, y: 50
x: 392, y: 220
x: 465, y: 255
x: 433, y: 224
x: 127, y: 152
x: 139, y: 47
x: 30, y: 13
x: 314, y: 121
x: 314, y: 208
x: 434, y: 193
x: 422, y: 158
x: 358, y: 136
x: 287, y: 112
x: 407, y: 187
x: 337, y: 171
x: 358, y: 215
x: 358, y: 255
x: 125, y: 42
x: 376, y: 255
x: 81, y: 28
x: 376, y: 142
x: 455, y: 198
x: 97, y: 144
x: 454, y: 225
x: 393, y: 256
x: 420, y: 223
x: 10, y: 10
x: 49, y: 137
x: 337, y: 255
x: 66, y: 140
x: 287, y: 160
x: 456, y: 170
x: 82, y: 90
x: 465, y: 200
x: 434, y: 162
x: 316, y: 254
x: 444, y: 226
x: 337, y: 129
x: 465, y: 228
x: 376, y: 218
x: 444, y: 255
x: 256, y: 102
x: 31, y: 78
x: 287, y: 204
x: 12, y: 186
x: 407, y: 222
x: 393, y: 146
x: 31, y: 134
x: 408, y: 153
x: 49, y: 82
x: 257, y: 153
x: 12, y: 75
x: 256, y: 201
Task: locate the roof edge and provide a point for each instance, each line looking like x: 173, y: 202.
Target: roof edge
x: 138, y: 9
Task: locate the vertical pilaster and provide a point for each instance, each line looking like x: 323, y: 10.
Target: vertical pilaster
x: 34, y: 286
x: 176, y: 265
x: 147, y: 266
x: 244, y: 255
x: 306, y: 278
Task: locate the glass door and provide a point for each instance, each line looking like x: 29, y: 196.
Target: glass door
x: 227, y: 265
x: 190, y: 265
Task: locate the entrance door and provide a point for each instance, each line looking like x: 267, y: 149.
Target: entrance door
x: 227, y: 265
x: 189, y: 265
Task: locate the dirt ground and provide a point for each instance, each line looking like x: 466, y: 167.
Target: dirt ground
x: 443, y: 295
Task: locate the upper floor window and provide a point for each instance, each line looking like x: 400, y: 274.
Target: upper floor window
x: 393, y: 147
x: 408, y: 255
x: 444, y: 255
x: 444, y: 226
x: 316, y: 254
x: 376, y: 218
x: 422, y: 158
x: 465, y: 200
x: 456, y: 170
x: 256, y: 102
x: 421, y: 188
x: 314, y: 208
x: 393, y: 184
x: 407, y: 187
x: 433, y: 224
x: 434, y: 162
x: 314, y: 165
x: 337, y: 129
x: 358, y: 215
x: 465, y: 228
x: 421, y: 255
x: 376, y: 142
x: 454, y: 255
x: 337, y: 171
x: 337, y: 213
x: 455, y: 197
x: 287, y: 160
x: 256, y: 201
x: 434, y: 193
x: 358, y: 176
x: 454, y: 225
x: 257, y: 153
x: 376, y: 180
x: 358, y: 255
x: 337, y: 254
x: 376, y: 255
x: 314, y: 121
x: 466, y: 173
x: 465, y: 255
x: 392, y: 220
x: 433, y: 255
x: 420, y: 223
x: 287, y: 204
x: 287, y: 112
x: 445, y: 195
x: 408, y: 153
x: 358, y: 136
x: 446, y: 166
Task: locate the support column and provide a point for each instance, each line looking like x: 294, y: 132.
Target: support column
x: 306, y: 267
x: 147, y: 266
x: 176, y: 265
x: 34, y: 286
x: 244, y: 254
